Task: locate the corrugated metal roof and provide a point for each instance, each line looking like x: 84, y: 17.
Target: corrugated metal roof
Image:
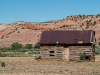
x: 67, y: 37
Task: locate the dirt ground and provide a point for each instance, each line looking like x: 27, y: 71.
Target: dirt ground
x: 30, y: 66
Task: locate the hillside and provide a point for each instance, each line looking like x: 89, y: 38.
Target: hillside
x: 72, y: 22
x: 29, y: 32
x: 16, y: 32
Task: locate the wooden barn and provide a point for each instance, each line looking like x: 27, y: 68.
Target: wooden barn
x: 67, y: 45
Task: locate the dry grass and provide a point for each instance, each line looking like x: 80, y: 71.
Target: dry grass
x: 29, y: 66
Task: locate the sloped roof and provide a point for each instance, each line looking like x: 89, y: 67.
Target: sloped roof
x: 67, y: 37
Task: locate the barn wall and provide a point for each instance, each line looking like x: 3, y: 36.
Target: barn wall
x: 47, y: 52
x: 76, y: 50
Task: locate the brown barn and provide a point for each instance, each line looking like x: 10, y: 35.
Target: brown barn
x: 67, y: 45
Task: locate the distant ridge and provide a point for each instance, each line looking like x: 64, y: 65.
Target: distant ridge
x: 30, y: 32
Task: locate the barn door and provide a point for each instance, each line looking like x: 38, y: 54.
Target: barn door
x: 66, y: 53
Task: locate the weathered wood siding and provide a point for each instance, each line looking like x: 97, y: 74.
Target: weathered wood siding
x: 76, y: 50
x: 47, y: 52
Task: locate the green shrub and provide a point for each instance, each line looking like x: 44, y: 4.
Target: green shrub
x: 97, y: 53
x: 16, y: 54
x: 2, y: 37
x: 28, y: 46
x: 16, y: 46
x: 3, y: 55
x: 5, y: 49
x: 3, y: 64
x: 97, y: 50
x: 82, y: 56
x: 0, y: 53
x: 37, y: 45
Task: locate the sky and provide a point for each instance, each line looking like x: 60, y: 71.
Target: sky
x: 45, y: 10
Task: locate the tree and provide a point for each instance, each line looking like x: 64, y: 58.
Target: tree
x: 37, y: 45
x: 98, y: 15
x: 16, y: 46
x: 28, y: 46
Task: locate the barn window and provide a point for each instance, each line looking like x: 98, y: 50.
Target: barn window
x: 51, y: 51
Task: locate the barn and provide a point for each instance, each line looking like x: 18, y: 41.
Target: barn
x: 67, y: 44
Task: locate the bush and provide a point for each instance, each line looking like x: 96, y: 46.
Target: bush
x: 28, y: 46
x: 18, y: 31
x: 16, y: 46
x: 97, y: 50
x: 0, y: 53
x: 37, y: 45
x: 2, y: 37
x: 3, y: 64
x: 5, y: 49
x: 23, y: 28
x: 82, y: 56
x: 3, y: 55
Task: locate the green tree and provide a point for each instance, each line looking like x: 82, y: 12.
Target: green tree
x: 28, y: 46
x: 16, y: 46
x: 37, y: 45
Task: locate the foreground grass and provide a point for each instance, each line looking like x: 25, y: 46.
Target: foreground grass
x: 15, y: 54
x: 29, y: 66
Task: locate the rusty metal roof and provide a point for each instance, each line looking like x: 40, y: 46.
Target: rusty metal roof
x: 67, y: 37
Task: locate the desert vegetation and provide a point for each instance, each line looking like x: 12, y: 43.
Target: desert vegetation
x: 18, y: 63
x: 84, y: 21
x: 30, y: 66
x: 18, y: 50
x: 18, y: 55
